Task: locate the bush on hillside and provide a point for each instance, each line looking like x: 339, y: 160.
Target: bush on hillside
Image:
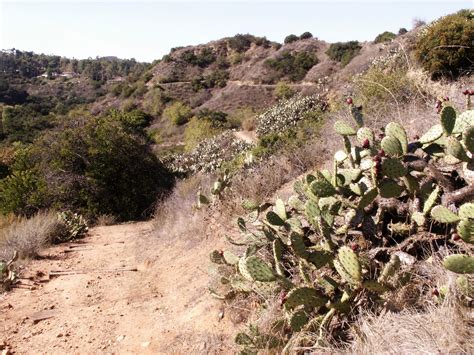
x: 218, y: 119
x: 283, y: 91
x: 203, y: 58
x: 402, y: 31
x: 306, y: 35
x: 178, y: 112
x: 385, y: 37
x: 291, y: 38
x: 240, y: 42
x: 445, y: 47
x: 286, y: 114
x: 95, y: 166
x: 198, y: 130
x: 292, y: 65
x: 344, y: 52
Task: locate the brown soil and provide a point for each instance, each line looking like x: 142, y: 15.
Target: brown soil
x: 162, y: 307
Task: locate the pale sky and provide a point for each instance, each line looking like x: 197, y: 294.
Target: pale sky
x: 146, y: 30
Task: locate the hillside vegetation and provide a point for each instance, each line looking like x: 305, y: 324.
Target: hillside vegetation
x: 344, y: 197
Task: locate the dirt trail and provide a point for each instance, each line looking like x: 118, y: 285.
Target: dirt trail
x: 163, y: 307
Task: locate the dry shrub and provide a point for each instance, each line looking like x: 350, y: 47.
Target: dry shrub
x: 106, y: 220
x: 249, y: 124
x: 29, y: 236
x: 436, y: 330
x: 176, y: 217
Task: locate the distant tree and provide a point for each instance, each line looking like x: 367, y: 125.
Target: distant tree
x: 291, y: 38
x: 402, y: 31
x: 306, y: 35
x: 344, y: 52
x: 385, y: 37
x: 179, y: 113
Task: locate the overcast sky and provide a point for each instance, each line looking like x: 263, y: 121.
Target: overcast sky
x: 146, y: 30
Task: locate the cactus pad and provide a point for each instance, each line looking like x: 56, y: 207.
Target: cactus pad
x: 468, y: 139
x: 349, y: 260
x: 465, y: 229
x: 274, y: 219
x: 390, y: 268
x: 374, y: 286
x: 259, y: 270
x: 397, y: 131
x: 448, y: 119
x: 419, y: 218
x: 349, y: 175
x: 463, y: 121
x: 277, y: 247
x: 433, y: 134
x: 455, y: 149
x: 391, y: 146
x: 307, y: 296
x: 411, y: 183
x: 431, y: 200
x: 368, y: 198
x: 319, y: 258
x: 297, y: 245
x: 389, y: 188
x: 343, y: 129
x: 467, y: 210
x: 459, y: 263
x: 295, y: 203
x: 230, y: 258
x: 322, y: 188
x: 249, y: 205
x: 280, y: 209
x: 297, y: 320
x: 365, y: 133
x: 442, y: 214
x: 393, y: 168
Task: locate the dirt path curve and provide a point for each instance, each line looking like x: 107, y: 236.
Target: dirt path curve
x: 163, y: 307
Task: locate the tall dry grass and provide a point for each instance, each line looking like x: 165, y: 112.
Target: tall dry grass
x: 28, y: 236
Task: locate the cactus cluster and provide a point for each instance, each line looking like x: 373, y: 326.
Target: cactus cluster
x: 75, y: 227
x: 335, y: 242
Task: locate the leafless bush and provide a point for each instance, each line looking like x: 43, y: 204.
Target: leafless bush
x: 29, y: 236
x: 106, y: 220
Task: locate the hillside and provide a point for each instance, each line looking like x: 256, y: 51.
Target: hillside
x: 242, y: 196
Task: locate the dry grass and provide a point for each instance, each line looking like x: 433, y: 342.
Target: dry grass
x: 436, y: 330
x: 106, y: 220
x: 28, y: 236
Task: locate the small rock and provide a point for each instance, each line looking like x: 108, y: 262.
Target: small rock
x: 59, y: 335
x: 120, y: 338
x: 146, y: 344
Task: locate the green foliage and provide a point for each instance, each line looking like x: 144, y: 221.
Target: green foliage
x: 343, y: 52
x: 319, y: 250
x: 217, y: 78
x: 292, y: 65
x: 291, y: 38
x: 203, y: 58
x: 75, y: 227
x: 198, y: 130
x: 306, y: 35
x: 218, y: 119
x: 178, y: 113
x: 22, y: 123
x: 402, y: 31
x: 445, y: 47
x: 97, y: 166
x: 283, y: 91
x: 240, y: 43
x: 385, y: 37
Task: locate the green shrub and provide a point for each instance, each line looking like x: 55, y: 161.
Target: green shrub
x: 203, y: 58
x: 217, y: 78
x: 283, y: 90
x: 291, y: 38
x: 196, y: 131
x: 293, y: 65
x: 240, y: 43
x: 94, y: 167
x: 306, y: 35
x: 218, y: 119
x: 402, y: 31
x: 343, y: 51
x: 445, y: 47
x: 385, y: 37
x: 154, y: 101
x: 179, y: 113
